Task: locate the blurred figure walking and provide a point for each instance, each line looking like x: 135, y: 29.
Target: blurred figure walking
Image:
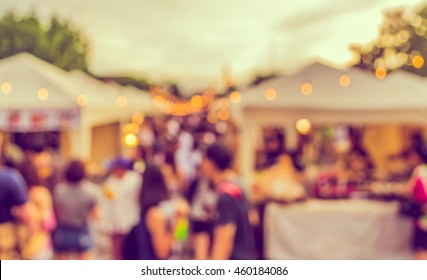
x: 76, y: 204
x: 153, y: 237
x: 203, y: 199
x: 233, y: 235
x: 14, y: 211
x: 122, y: 188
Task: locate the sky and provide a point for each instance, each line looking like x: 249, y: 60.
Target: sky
x: 193, y: 42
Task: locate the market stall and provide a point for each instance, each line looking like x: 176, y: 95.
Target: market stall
x: 308, y: 103
x: 37, y: 96
x: 320, y: 95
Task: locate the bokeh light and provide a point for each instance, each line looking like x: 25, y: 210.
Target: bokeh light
x: 235, y: 97
x: 303, y: 126
x: 138, y: 118
x: 224, y: 114
x: 209, y: 138
x: 197, y: 101
x: 381, y: 73
x: 306, y: 88
x: 121, y: 101
x: 270, y: 94
x: 130, y: 140
x: 418, y: 61
x: 131, y: 128
x: 212, y: 117
x: 221, y: 127
x: 82, y: 100
x: 345, y: 80
x: 6, y: 87
x: 223, y: 103
x: 159, y: 101
x: 43, y: 93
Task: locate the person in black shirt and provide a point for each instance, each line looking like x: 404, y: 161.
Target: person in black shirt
x: 233, y: 236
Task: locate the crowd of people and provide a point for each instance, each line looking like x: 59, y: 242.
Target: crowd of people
x: 176, y: 196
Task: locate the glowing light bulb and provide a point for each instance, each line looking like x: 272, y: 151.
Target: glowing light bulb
x: 270, y: 94
x: 121, y: 101
x: 303, y: 126
x: 82, y: 100
x: 197, y: 101
x: 381, y: 73
x: 345, y: 80
x: 43, y: 94
x: 306, y: 88
x: 224, y: 114
x: 159, y: 101
x: 130, y: 140
x: 235, y: 97
x: 418, y: 61
x: 138, y: 118
x: 131, y: 128
x: 6, y: 87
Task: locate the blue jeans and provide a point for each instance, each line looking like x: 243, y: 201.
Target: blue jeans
x: 66, y: 239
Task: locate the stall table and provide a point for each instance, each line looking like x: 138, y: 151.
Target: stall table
x: 337, y: 229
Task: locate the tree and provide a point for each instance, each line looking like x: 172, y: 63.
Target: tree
x: 139, y: 83
x: 401, y: 44
x: 57, y: 43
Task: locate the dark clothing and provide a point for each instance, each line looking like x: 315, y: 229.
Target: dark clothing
x: 13, y: 192
x: 201, y: 227
x: 419, y: 239
x: 233, y: 208
x: 67, y: 239
x: 138, y: 245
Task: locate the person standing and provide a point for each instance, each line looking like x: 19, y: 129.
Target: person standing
x: 233, y: 235
x: 75, y: 204
x: 14, y: 210
x: 122, y: 188
x: 153, y: 237
x: 202, y: 197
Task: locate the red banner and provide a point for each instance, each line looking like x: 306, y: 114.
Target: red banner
x: 39, y: 120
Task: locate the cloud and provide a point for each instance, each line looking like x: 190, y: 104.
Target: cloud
x: 324, y: 14
x: 190, y: 40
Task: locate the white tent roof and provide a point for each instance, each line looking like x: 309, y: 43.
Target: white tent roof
x: 27, y: 74
x: 137, y: 100
x: 401, y: 97
x: 365, y: 92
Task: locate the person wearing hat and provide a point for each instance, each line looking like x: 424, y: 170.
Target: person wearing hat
x: 122, y: 189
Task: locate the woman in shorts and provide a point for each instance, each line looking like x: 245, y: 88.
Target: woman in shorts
x: 75, y: 203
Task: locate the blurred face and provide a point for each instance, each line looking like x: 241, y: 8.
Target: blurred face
x: 119, y: 172
x: 208, y: 168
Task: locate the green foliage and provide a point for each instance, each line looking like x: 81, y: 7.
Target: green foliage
x: 135, y: 82
x: 403, y: 35
x: 57, y: 43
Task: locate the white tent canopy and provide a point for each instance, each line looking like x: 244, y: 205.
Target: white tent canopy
x: 399, y: 98
x: 365, y: 96
x: 27, y: 74
x: 102, y: 99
